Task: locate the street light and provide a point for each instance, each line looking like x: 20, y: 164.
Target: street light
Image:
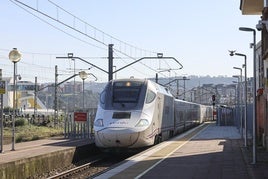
x: 14, y: 56
x: 240, y: 99
x: 232, y: 53
x: 83, y: 75
x: 238, y: 92
x: 246, y: 29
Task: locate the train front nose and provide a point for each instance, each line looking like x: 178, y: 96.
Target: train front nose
x: 117, y: 138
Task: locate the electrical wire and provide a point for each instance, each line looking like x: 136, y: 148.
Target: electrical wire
x: 95, y: 28
x: 54, y: 25
x: 20, y: 4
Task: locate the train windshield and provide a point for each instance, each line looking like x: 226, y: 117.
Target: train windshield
x: 124, y: 95
x: 126, y: 91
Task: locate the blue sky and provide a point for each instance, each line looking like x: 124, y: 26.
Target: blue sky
x: 198, y: 34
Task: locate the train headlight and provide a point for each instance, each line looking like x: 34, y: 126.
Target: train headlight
x: 142, y: 123
x: 98, y: 123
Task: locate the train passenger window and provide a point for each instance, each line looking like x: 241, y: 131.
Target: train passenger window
x: 150, y: 96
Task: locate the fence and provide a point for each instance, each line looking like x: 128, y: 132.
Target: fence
x: 234, y: 116
x: 74, y: 128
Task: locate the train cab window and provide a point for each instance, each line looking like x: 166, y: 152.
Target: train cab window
x: 150, y: 96
x: 124, y: 95
x: 126, y: 92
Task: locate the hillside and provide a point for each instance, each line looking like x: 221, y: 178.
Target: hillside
x: 194, y: 81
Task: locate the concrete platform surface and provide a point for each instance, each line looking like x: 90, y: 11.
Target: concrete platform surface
x: 213, y: 152
x: 36, y: 157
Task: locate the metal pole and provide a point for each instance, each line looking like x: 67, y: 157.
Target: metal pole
x: 35, y: 97
x: 184, y: 78
x: 240, y: 106
x: 56, y: 97
x: 246, y: 103
x: 74, y: 102
x: 240, y: 91
x: 239, y: 102
x: 254, y: 93
x: 110, y: 58
x: 177, y: 89
x: 1, y: 123
x: 83, y: 94
x: 240, y: 99
x: 254, y: 157
x: 13, y: 116
x: 246, y: 96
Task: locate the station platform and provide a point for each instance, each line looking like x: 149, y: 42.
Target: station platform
x: 33, y: 157
x: 210, y: 151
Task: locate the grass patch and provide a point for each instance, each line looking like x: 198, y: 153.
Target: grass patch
x: 30, y: 132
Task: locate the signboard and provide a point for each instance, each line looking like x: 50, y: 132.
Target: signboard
x: 80, y: 116
x: 2, y: 87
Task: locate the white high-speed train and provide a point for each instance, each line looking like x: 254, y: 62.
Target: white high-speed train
x: 136, y: 113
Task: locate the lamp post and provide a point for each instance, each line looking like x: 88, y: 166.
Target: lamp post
x: 238, y: 89
x: 240, y: 99
x: 246, y: 29
x: 232, y: 53
x: 83, y: 76
x: 14, y: 56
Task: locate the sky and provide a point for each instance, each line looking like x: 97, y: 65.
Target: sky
x: 197, y: 34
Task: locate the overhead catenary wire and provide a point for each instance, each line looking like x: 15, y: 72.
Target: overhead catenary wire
x: 37, y: 10
x: 73, y: 28
x: 54, y: 25
x: 95, y: 28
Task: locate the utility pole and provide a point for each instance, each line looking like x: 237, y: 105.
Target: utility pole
x: 1, y: 123
x: 177, y: 89
x: 184, y: 78
x: 110, y: 59
x: 56, y: 97
x: 35, y: 97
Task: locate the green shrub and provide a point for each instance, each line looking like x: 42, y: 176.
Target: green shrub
x: 19, y: 122
x: 19, y: 139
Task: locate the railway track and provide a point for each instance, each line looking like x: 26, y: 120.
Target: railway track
x: 74, y: 171
x: 92, y: 168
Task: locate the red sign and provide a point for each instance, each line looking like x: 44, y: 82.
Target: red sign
x: 80, y: 116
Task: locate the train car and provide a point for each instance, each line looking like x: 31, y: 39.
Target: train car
x: 187, y: 115
x: 206, y: 113
x: 136, y: 113
x: 132, y: 113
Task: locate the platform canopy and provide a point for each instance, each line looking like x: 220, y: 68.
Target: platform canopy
x: 251, y: 7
